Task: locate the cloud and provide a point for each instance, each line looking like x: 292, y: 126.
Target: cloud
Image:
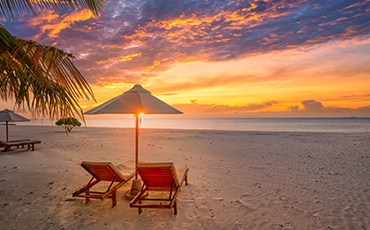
x: 165, y: 32
x: 311, y: 108
x: 357, y: 97
x: 293, y: 108
x: 316, y: 108
x: 298, y: 44
x: 50, y: 24
x: 194, y: 107
x: 365, y: 110
x: 312, y: 105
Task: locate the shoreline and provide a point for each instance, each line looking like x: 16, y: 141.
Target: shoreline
x: 237, y: 179
x: 195, y: 130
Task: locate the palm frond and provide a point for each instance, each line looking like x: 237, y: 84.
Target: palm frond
x: 41, y: 78
x: 13, y: 9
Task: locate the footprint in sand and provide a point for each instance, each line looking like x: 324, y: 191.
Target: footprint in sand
x: 315, y: 215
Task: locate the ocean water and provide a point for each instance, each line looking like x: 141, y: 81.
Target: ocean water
x: 346, y: 125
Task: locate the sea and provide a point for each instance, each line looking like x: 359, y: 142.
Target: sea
x: 332, y: 125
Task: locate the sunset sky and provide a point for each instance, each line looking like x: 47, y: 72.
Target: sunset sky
x: 271, y: 58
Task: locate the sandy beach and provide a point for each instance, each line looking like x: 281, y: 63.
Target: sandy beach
x: 237, y: 180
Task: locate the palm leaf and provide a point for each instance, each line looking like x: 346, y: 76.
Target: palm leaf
x: 13, y: 9
x: 41, y: 78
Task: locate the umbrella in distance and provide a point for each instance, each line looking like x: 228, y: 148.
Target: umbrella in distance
x: 134, y: 101
x: 8, y: 115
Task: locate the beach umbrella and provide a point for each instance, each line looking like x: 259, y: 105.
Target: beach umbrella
x: 134, y: 101
x: 8, y: 115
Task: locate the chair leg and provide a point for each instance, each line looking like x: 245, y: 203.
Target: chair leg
x: 114, y: 198
x: 7, y: 149
x: 175, y: 207
x: 87, y: 192
x: 140, y: 209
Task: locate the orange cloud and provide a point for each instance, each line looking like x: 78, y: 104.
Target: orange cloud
x: 333, y: 22
x: 150, y: 68
x: 189, y: 30
x: 358, y: 4
x: 51, y: 23
x: 129, y: 57
x: 105, y: 61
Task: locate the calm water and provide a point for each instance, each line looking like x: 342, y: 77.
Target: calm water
x: 348, y: 125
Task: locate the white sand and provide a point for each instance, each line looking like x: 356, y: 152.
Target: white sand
x: 237, y: 180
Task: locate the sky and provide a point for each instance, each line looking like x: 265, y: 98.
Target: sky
x: 213, y: 58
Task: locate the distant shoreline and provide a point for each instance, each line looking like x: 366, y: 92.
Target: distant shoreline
x: 331, y: 125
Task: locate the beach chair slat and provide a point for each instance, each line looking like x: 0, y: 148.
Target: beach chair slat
x: 159, y: 177
x: 103, y: 171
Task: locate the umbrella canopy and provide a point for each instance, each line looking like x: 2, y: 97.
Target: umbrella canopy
x: 8, y: 115
x: 135, y: 101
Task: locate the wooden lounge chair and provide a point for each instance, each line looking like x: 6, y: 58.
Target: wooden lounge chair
x: 163, y: 177
x: 8, y: 145
x: 106, y: 171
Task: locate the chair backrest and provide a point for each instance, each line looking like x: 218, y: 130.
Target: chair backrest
x: 104, y: 171
x: 158, y: 175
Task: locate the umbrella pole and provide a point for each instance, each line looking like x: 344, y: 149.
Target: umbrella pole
x: 136, y: 183
x: 7, y: 131
x: 136, y: 144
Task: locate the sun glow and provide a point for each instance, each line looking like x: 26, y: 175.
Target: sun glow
x: 271, y: 83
